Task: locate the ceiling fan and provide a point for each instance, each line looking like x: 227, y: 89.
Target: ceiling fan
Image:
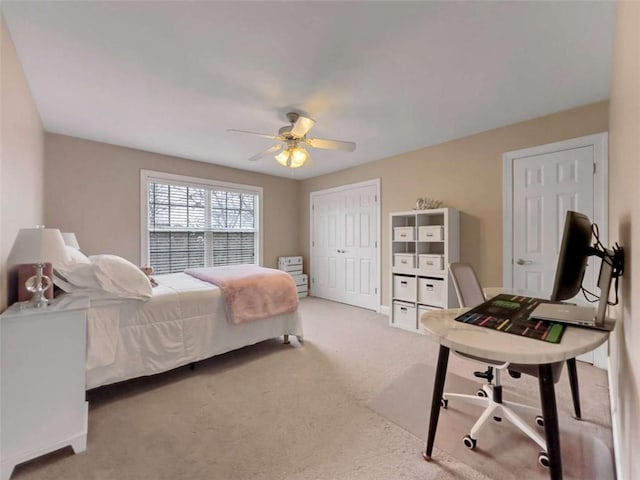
x: 291, y: 151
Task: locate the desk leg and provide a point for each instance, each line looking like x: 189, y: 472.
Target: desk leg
x: 573, y: 381
x: 438, y: 389
x: 550, y: 415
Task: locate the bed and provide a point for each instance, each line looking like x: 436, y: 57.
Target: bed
x: 183, y: 322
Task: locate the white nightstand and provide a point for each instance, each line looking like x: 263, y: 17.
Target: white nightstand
x: 42, y: 381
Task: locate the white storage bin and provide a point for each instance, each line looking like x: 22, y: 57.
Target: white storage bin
x: 403, y: 234
x: 291, y: 265
x: 404, y: 315
x: 431, y: 291
x: 434, y: 263
x: 301, y: 288
x: 404, y: 288
x: 296, y: 260
x: 302, y: 294
x: 300, y: 279
x: 431, y: 233
x: 404, y: 260
x: 291, y: 269
x: 422, y: 309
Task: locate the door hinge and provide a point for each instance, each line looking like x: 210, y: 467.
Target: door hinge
x: 313, y: 280
x: 375, y: 244
x: 313, y: 243
x: 594, y: 168
x: 375, y: 290
x: 375, y: 198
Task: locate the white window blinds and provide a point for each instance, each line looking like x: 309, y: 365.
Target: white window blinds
x: 196, y: 226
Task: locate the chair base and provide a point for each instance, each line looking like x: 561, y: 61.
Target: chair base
x: 494, y: 409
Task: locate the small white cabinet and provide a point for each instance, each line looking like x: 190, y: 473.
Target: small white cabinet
x: 42, y: 380
x: 423, y: 244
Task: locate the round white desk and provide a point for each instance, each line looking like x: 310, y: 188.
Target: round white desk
x: 441, y: 326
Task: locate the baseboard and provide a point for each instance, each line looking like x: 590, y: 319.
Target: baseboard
x: 384, y: 310
x: 615, y: 424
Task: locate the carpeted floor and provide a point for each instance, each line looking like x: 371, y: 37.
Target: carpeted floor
x: 274, y: 411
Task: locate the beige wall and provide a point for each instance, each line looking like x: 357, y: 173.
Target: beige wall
x: 22, y: 157
x: 624, y: 214
x: 465, y: 174
x: 93, y: 189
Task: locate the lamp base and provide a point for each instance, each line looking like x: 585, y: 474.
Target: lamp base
x: 38, y: 285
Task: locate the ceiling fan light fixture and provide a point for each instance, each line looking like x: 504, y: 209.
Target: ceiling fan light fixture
x: 293, y: 157
x: 283, y: 157
x: 299, y: 157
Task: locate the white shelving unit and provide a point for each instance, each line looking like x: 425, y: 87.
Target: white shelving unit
x: 423, y: 244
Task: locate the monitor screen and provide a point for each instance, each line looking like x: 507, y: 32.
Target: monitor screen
x: 574, y: 253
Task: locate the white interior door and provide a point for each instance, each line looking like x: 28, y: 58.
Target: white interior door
x: 544, y: 188
x: 344, y: 245
x: 544, y: 183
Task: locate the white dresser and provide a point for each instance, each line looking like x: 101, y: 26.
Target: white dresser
x: 42, y: 381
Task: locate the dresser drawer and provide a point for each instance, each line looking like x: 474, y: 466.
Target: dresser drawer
x: 404, y: 288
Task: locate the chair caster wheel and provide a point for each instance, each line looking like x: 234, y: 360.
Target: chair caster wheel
x: 539, y: 421
x: 497, y: 419
x: 444, y: 403
x: 543, y: 459
x: 469, y: 442
x: 481, y: 393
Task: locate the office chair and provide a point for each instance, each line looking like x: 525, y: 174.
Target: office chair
x: 470, y: 294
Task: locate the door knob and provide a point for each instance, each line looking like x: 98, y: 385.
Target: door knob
x: 522, y: 261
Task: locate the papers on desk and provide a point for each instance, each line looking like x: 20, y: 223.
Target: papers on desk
x: 510, y: 314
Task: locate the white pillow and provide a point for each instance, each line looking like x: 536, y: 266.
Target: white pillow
x: 121, y: 277
x: 75, y: 258
x: 83, y: 276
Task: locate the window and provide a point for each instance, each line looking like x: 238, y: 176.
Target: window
x: 190, y: 222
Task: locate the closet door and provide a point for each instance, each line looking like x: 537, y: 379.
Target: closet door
x: 344, y: 246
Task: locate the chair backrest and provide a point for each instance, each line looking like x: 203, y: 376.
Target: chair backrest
x: 465, y: 281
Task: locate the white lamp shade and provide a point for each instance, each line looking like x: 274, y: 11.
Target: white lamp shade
x: 70, y: 240
x: 38, y: 245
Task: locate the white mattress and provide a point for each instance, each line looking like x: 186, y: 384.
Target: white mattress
x: 184, y: 322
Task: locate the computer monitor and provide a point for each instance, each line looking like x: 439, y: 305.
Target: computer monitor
x: 575, y: 250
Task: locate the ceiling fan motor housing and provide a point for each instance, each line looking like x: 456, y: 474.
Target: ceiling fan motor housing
x: 285, y: 131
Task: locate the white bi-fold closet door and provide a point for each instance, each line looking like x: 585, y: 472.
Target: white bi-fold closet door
x: 344, y: 244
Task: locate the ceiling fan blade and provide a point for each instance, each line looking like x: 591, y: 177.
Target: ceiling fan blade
x: 266, y: 152
x: 331, y: 144
x: 302, y: 127
x: 233, y: 130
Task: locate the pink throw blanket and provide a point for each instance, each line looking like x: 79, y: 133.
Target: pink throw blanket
x: 251, y: 293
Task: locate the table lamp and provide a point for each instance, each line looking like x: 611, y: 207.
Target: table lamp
x: 38, y: 246
x: 70, y: 240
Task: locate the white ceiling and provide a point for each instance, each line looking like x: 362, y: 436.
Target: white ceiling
x: 171, y: 77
